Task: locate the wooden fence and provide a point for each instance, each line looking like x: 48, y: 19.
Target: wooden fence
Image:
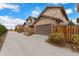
x: 68, y: 31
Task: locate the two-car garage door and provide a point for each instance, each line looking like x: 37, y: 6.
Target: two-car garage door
x: 43, y: 29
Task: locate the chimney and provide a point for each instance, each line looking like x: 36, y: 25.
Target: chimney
x: 30, y: 20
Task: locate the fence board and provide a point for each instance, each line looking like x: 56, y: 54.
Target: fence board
x: 68, y: 31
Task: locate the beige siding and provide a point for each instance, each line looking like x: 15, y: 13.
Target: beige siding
x: 55, y: 12
x: 44, y: 20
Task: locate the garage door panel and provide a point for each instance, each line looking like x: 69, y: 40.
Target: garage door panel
x: 43, y: 29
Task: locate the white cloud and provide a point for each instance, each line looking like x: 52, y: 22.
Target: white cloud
x: 36, y: 12
x: 74, y: 21
x: 75, y: 9
x: 10, y: 22
x: 9, y: 6
x: 68, y: 11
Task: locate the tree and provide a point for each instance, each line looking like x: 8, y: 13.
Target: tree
x: 3, y: 30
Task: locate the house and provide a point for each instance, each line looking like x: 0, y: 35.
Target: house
x: 29, y: 21
x: 49, y: 17
x: 19, y: 28
x: 28, y: 25
x: 11, y: 30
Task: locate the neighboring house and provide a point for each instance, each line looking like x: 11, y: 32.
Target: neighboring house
x: 49, y: 17
x: 19, y: 28
x: 11, y: 30
x: 28, y: 25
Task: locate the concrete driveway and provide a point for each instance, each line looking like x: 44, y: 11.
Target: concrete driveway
x: 16, y: 44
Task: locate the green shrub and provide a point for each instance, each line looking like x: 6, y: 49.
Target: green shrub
x: 75, y: 38
x: 2, y: 30
x: 57, y: 38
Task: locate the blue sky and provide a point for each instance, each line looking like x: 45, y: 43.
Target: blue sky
x: 12, y: 14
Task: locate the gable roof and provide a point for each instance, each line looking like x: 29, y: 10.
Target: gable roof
x: 26, y: 23
x: 61, y: 8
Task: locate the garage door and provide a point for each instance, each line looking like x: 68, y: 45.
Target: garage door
x: 43, y: 29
